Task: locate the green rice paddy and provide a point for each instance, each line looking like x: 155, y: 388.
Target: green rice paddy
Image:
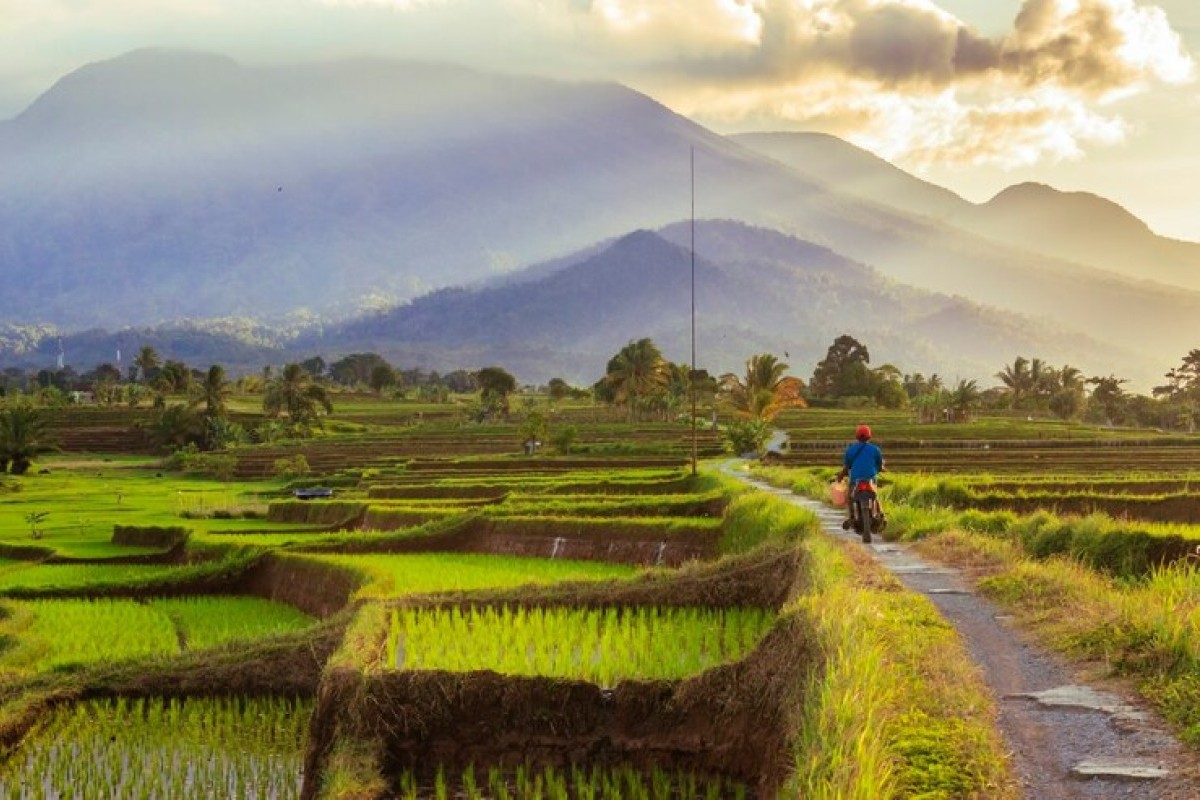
x: 121, y: 749
x: 63, y: 634
x: 426, y: 573
x: 598, y: 645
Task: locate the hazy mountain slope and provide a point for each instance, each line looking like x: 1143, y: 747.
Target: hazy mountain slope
x: 1084, y: 227
x: 851, y: 169
x: 1074, y: 226
x: 165, y: 185
x: 756, y: 290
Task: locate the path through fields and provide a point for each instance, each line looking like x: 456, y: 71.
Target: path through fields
x: 1068, y: 739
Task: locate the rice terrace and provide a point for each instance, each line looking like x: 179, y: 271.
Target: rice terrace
x: 435, y: 611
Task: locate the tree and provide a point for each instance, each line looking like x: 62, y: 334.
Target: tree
x: 765, y: 390
x: 383, y: 376
x: 357, y: 368
x: 295, y: 394
x: 636, y: 374
x: 963, y: 399
x: 147, y: 362
x: 558, y: 389
x: 24, y: 436
x: 177, y: 426
x: 495, y: 385
x: 213, y: 392
x: 314, y: 366
x: 844, y: 371
x: 1017, y: 381
x: 173, y: 378
x: 1109, y: 398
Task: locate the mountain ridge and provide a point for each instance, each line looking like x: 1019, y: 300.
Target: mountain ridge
x: 327, y: 187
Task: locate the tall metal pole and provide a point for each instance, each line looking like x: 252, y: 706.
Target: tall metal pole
x: 692, y: 377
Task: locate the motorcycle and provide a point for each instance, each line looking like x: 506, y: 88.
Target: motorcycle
x: 866, y: 515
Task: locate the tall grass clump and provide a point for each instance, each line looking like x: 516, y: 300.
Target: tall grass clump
x: 752, y: 519
x: 1146, y: 629
x: 897, y: 710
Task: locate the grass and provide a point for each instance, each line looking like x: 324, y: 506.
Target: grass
x: 85, y: 499
x: 401, y: 575
x: 597, y: 645
x: 898, y: 710
x: 1147, y: 629
x: 65, y: 634
x: 118, y: 749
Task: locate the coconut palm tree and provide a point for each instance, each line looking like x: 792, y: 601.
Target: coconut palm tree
x: 765, y: 390
x: 213, y: 393
x: 295, y: 394
x: 147, y: 362
x: 963, y: 399
x: 1017, y: 380
x: 637, y: 373
x: 23, y: 437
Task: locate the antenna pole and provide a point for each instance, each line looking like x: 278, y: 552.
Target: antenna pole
x: 692, y: 376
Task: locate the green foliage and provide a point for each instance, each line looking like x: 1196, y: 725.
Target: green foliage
x: 635, y: 376
x: 23, y: 437
x: 563, y: 439
x: 747, y: 435
x: 295, y: 394
x: 34, y: 520
x: 291, y: 467
x: 191, y: 461
x: 177, y: 426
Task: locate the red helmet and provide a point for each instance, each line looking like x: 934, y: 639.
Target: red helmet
x: 862, y: 433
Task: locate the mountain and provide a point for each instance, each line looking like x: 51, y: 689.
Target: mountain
x: 835, y: 162
x: 756, y: 290
x: 1086, y: 228
x: 1078, y: 227
x: 163, y: 185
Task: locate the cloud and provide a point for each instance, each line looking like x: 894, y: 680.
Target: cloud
x: 912, y: 82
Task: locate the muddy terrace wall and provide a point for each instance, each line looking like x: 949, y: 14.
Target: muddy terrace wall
x: 732, y: 721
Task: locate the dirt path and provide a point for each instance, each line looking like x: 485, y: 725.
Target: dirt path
x: 1068, y: 739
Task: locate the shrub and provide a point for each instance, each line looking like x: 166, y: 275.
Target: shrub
x: 290, y: 467
x: 563, y: 440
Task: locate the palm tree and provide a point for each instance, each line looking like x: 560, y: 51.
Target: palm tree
x: 963, y: 399
x: 637, y: 373
x: 176, y: 426
x: 765, y: 390
x: 1016, y: 380
x: 213, y: 393
x: 147, y: 362
x: 294, y: 393
x: 23, y: 437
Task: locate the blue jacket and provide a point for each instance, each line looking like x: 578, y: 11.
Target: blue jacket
x: 863, y: 460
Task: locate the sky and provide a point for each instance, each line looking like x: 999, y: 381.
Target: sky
x: 1087, y: 95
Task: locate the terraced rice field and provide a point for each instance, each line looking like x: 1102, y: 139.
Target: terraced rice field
x: 138, y: 749
x: 429, y: 573
x: 59, y: 634
x: 599, y: 645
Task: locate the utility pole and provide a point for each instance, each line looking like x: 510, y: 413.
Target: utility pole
x: 692, y: 375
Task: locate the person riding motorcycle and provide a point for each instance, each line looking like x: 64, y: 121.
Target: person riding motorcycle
x: 862, y: 461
